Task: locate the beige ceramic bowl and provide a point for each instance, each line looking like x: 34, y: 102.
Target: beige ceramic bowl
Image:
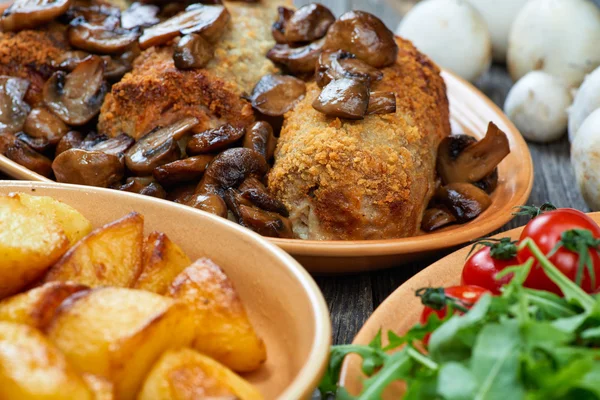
x: 402, y: 309
x: 282, y: 300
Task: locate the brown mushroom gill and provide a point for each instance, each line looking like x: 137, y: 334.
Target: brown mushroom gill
x: 274, y: 95
x: 308, y: 23
x: 343, y: 98
x: 337, y: 64
x: 98, y: 39
x: 192, y: 51
x: 116, y: 146
x: 298, y: 60
x: 13, y: 108
x: 28, y: 14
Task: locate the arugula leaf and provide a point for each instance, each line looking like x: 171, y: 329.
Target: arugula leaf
x: 417, y: 332
x: 396, y: 368
x: 456, y: 382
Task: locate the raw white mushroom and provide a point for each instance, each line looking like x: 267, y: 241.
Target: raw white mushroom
x: 586, y: 101
x: 560, y: 37
x: 452, y: 33
x: 585, y: 157
x: 537, y: 104
x: 499, y: 16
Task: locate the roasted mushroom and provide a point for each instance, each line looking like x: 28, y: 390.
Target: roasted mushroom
x: 98, y: 39
x: 298, y: 60
x: 253, y: 190
x: 182, y: 193
x: 211, y: 203
x: 158, y: 147
x: 278, y: 27
x: 364, y: 35
x: 72, y: 140
x: 116, y: 146
x: 144, y: 185
x: 308, y: 23
x: 462, y: 160
x: 209, y: 21
x: 41, y: 145
x: 436, y: 218
x: 214, y: 139
x: 21, y: 153
x: 233, y: 166
x: 92, y: 139
x: 84, y: 167
x: 13, y: 109
x: 27, y: 14
x: 176, y: 172
x: 339, y: 64
x: 140, y: 15
x: 344, y: 98
x: 274, y: 95
x: 259, y: 137
x: 68, y: 60
x: 96, y: 13
x: 266, y: 223
x: 41, y: 123
x: 192, y: 51
x: 77, y: 97
x: 464, y: 200
x: 381, y: 103
x: 118, y: 65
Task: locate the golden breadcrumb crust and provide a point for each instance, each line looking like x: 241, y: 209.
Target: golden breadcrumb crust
x: 368, y: 179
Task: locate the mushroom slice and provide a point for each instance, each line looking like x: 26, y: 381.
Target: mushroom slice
x: 253, y: 190
x: 13, y: 109
x: 144, y: 185
x: 72, y: 140
x: 189, y: 169
x: 274, y: 95
x: 436, y: 218
x: 338, y: 64
x: 381, y: 103
x: 92, y: 139
x: 76, y: 97
x: 211, y: 203
x: 41, y: 123
x: 41, y: 145
x: 233, y: 166
x: 343, y: 98
x: 192, y: 51
x: 259, y: 137
x: 473, y: 162
x: 209, y: 21
x: 118, y: 65
x: 98, y: 39
x: 364, y: 35
x: 464, y: 200
x: 265, y: 223
x: 181, y: 193
x: 68, y: 60
x: 116, y: 146
x: 278, y: 27
x: 28, y: 14
x: 103, y: 15
x: 308, y: 23
x: 298, y: 60
x: 158, y: 147
x: 140, y: 15
x: 489, y: 183
x: 214, y: 139
x: 84, y: 167
x: 21, y: 153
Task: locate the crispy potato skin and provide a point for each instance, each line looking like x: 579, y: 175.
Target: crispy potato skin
x: 37, y: 306
x: 29, y: 244
x: 32, y: 368
x: 368, y: 179
x: 118, y: 333
x: 110, y: 255
x: 224, y: 331
x: 162, y: 261
x: 185, y: 374
x: 102, y: 388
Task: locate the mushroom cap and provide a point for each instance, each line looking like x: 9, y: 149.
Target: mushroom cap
x: 28, y: 14
x: 13, y: 109
x: 308, y: 23
x: 92, y: 168
x: 587, y: 99
x: 274, y: 95
x: 585, y: 158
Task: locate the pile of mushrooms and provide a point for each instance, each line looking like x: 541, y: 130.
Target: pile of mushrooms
x: 468, y: 174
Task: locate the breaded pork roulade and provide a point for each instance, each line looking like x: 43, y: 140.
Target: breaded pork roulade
x: 369, y: 179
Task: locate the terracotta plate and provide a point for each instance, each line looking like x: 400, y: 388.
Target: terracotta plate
x: 402, y: 309
x: 470, y: 113
x: 283, y: 302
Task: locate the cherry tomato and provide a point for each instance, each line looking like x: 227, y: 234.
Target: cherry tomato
x: 546, y: 231
x: 481, y: 268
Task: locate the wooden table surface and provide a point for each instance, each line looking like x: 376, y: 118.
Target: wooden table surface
x: 352, y: 299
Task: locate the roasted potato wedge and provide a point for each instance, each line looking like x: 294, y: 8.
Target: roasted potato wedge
x: 36, y: 307
x: 119, y: 333
x: 163, y: 260
x: 185, y: 374
x: 29, y: 244
x: 102, y: 388
x: 32, y: 368
x: 224, y: 331
x: 109, y: 256
x: 75, y: 225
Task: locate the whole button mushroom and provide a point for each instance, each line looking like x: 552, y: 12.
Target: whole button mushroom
x: 72, y: 140
x: 298, y: 60
x: 28, y: 14
x: 176, y: 172
x: 13, y: 109
x: 308, y: 23
x: 274, y: 95
x: 587, y: 99
x: 585, y: 160
x: 278, y: 27
x: 41, y: 123
x: 92, y: 168
x: 344, y: 98
x: 214, y: 139
x: 192, y: 51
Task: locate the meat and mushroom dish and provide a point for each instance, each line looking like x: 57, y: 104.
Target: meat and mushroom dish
x: 292, y: 122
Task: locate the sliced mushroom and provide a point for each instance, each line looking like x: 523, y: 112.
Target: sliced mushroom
x: 98, y: 39
x: 43, y: 124
x: 116, y: 146
x: 189, y: 169
x: 233, y: 166
x: 459, y: 163
x: 6, y: 140
x: 233, y: 199
x: 298, y: 60
x: 341, y: 64
x: 41, y: 145
x: 28, y: 14
x: 464, y: 200
x: 181, y: 193
x: 21, y: 153
x: 84, y: 167
x: 381, y: 103
x: 158, y: 147
x: 364, y: 35
x: 193, y: 51
x: 13, y: 109
x: 118, y: 65
x: 343, y: 98
x: 265, y: 223
x: 253, y: 190
x: 72, y: 140
x: 308, y: 23
x: 278, y: 27
x: 68, y: 60
x: 144, y: 185
x: 214, y: 139
x: 436, y: 218
x: 259, y: 137
x: 92, y: 139
x: 209, y: 21
x: 489, y: 183
x: 274, y: 95
x: 211, y: 203
x: 100, y: 14
x: 77, y: 97
x: 140, y: 15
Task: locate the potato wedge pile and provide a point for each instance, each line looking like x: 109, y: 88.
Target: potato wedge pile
x: 109, y: 314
